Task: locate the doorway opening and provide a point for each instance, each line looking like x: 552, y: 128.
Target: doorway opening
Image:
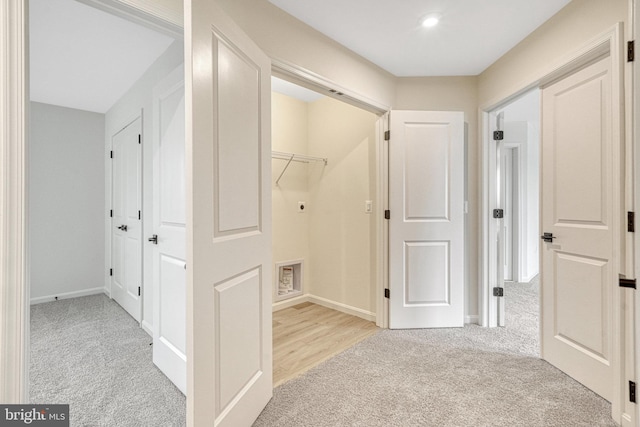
x: 92, y: 75
x: 324, y: 208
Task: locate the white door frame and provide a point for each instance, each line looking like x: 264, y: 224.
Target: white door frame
x: 610, y: 42
x: 14, y: 288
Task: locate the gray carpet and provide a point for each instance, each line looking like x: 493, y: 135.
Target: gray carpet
x: 469, y: 376
x: 88, y: 352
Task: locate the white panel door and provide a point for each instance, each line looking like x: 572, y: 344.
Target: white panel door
x: 229, y: 366
x: 580, y: 202
x: 169, y: 228
x: 426, y: 230
x: 126, y: 224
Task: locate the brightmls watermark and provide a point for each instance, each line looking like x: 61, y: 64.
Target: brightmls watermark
x: 34, y: 415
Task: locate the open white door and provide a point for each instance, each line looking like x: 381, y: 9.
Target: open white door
x: 126, y: 224
x: 581, y: 214
x: 426, y: 229
x: 169, y: 228
x: 228, y: 160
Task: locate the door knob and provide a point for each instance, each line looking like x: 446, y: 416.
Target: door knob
x: 122, y: 227
x: 547, y: 237
x: 154, y: 239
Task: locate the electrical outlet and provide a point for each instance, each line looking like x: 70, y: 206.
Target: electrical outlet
x: 302, y: 206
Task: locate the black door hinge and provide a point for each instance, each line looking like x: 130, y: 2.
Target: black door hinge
x: 139, y: 139
x: 632, y: 392
x: 111, y: 213
x: 631, y: 51
x: 138, y: 290
x: 498, y: 292
x: 387, y: 214
x: 111, y: 155
x: 139, y: 215
x: 111, y: 272
x: 386, y: 293
x: 387, y: 135
x: 498, y: 135
x: 498, y: 213
x: 631, y: 222
x: 627, y: 283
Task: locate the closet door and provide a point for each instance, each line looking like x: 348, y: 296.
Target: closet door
x: 426, y: 229
x: 126, y: 223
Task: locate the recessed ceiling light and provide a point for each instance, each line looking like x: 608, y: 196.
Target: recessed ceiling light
x: 430, y: 21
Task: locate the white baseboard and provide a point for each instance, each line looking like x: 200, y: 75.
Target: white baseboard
x: 354, y: 311
x: 67, y: 295
x: 473, y: 319
x: 281, y: 305
x: 344, y: 308
x: 147, y: 328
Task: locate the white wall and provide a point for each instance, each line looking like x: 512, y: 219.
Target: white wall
x: 139, y: 100
x: 66, y: 202
x: 342, y: 236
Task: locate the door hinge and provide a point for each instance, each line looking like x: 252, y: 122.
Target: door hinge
x: 631, y: 51
x: 387, y: 135
x: 498, y: 135
x: 111, y: 213
x: 139, y: 139
x: 498, y: 213
x: 387, y: 214
x: 627, y: 283
x: 631, y: 222
x: 111, y: 155
x: 111, y: 272
x: 138, y: 290
x: 139, y: 215
x: 386, y: 293
x: 498, y: 291
x: 632, y: 391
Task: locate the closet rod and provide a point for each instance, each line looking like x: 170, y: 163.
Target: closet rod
x: 292, y: 157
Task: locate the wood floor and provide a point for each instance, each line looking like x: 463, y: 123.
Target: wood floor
x: 307, y: 334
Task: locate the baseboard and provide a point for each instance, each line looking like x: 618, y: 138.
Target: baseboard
x: 354, y: 311
x: 528, y: 278
x: 281, y: 305
x: 147, y: 328
x: 67, y: 295
x: 473, y: 319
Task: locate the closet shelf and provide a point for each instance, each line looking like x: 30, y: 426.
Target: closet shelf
x: 292, y: 157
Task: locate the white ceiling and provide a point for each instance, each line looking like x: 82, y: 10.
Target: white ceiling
x: 471, y: 35
x: 81, y: 57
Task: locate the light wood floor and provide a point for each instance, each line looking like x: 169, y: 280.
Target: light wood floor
x: 307, y: 334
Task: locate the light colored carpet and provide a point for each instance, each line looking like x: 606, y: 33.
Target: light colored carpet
x: 469, y: 376
x: 88, y: 352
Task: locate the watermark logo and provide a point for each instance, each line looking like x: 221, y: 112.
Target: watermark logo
x: 34, y: 415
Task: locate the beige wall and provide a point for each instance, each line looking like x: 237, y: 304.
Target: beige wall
x: 334, y: 236
x: 341, y: 234
x: 566, y: 32
x: 289, y: 133
x: 453, y: 94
